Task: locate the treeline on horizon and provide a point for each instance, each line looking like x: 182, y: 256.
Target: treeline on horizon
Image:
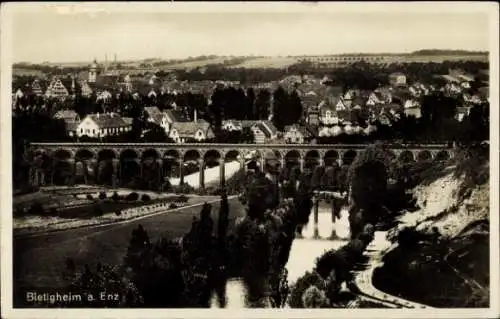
x: 26, y: 64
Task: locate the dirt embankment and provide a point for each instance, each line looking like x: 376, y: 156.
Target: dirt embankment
x: 441, y: 256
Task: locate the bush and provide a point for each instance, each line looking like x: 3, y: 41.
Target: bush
x: 132, y: 196
x: 90, y: 197
x: 172, y: 206
x: 145, y: 198
x: 102, y: 195
x: 183, y: 199
x: 118, y: 213
x: 115, y: 197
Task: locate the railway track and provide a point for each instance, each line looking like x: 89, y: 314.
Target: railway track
x: 363, y: 274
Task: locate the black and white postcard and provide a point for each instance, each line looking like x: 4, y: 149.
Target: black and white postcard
x: 249, y: 159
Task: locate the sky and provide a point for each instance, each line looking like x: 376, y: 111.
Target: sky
x: 55, y: 35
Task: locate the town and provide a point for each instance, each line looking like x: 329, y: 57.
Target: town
x: 105, y: 104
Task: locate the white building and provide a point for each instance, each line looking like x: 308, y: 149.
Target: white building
x: 101, y: 125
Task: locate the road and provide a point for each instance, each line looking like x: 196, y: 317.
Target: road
x: 40, y: 260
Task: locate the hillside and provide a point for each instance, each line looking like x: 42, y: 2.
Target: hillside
x: 443, y: 246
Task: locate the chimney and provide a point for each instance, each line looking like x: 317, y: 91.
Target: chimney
x: 195, y: 116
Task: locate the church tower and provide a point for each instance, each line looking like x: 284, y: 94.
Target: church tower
x: 93, y: 72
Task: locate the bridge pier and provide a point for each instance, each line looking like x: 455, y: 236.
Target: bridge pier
x: 201, y: 163
x: 181, y: 171
x: 116, y: 172
x: 222, y: 173
x: 316, y: 217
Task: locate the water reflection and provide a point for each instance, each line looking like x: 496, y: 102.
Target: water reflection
x: 302, y: 255
x: 235, y: 295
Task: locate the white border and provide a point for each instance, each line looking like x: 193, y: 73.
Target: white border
x: 344, y: 7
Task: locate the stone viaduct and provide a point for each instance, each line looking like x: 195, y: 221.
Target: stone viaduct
x: 89, y: 155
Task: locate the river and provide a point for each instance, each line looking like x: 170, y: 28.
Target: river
x: 303, y: 253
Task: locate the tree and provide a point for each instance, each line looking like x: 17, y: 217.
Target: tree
x: 280, y: 113
x: 296, y: 109
x: 223, y: 220
x: 368, y: 185
x: 250, y: 104
x: 262, y: 105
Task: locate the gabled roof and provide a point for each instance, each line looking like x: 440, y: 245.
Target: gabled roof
x: 176, y: 116
x: 188, y: 129
x: 71, y: 126
x: 154, y: 113
x: 108, y: 120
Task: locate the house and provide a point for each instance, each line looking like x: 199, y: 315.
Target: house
x: 56, y: 90
x: 313, y: 116
x: 375, y: 98
x: 36, y: 88
x: 453, y: 88
x: 182, y: 132
x: 385, y: 118
x: 231, y: 125
x: 101, y: 125
x: 268, y: 128
x: 328, y: 114
x: 67, y: 115
x: 154, y: 115
x: 259, y: 135
x: 411, y: 107
x: 86, y: 90
x: 104, y: 96
x: 462, y: 112
x: 397, y: 79
x: 295, y: 134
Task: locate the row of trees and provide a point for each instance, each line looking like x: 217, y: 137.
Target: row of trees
x: 360, y: 74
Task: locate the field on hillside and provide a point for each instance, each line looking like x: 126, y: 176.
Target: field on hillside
x: 194, y: 64
x: 267, y: 62
x: 26, y: 72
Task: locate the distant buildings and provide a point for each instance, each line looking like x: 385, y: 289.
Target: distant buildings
x: 397, y: 79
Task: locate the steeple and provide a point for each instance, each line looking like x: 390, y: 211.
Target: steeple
x: 93, y: 72
x: 73, y: 86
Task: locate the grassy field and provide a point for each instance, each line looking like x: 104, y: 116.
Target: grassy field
x: 267, y: 62
x: 194, y: 64
x: 39, y: 261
